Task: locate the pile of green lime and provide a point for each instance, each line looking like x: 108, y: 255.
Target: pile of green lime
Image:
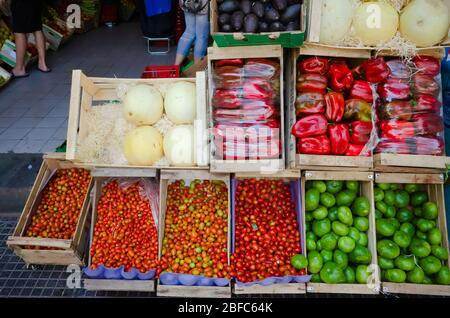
x: 336, y: 232
x: 409, y: 244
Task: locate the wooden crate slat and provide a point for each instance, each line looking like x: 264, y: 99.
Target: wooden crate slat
x: 120, y: 285
x: 193, y: 291
x: 416, y: 289
x: 436, y: 178
x: 291, y: 288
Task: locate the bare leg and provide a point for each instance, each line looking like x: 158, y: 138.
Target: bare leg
x: 40, y: 45
x: 21, y: 50
x: 179, y: 59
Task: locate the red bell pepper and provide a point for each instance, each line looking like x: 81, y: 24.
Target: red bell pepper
x: 426, y: 104
x: 356, y: 150
x: 425, y: 84
x: 397, y: 129
x: 339, y: 137
x: 228, y: 76
x: 358, y: 109
x: 261, y: 113
x: 316, y: 145
x: 394, y: 88
x: 427, y: 124
x: 397, y: 109
x: 316, y: 65
x: 360, y: 132
x: 309, y: 103
x: 227, y: 98
x: 258, y: 89
x: 399, y: 69
x: 341, y: 77
x: 374, y: 70
x: 312, y: 125
x: 427, y: 65
x: 361, y: 90
x: 315, y: 83
x: 335, y: 106
x: 235, y: 62
x: 394, y: 146
x: 262, y: 68
x: 429, y: 146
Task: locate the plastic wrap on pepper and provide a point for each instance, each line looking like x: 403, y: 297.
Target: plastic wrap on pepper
x: 425, y: 85
x: 398, y: 69
x: 427, y: 65
x: 312, y: 83
x: 267, y: 69
x: 399, y: 109
x: 228, y: 76
x: 427, y: 124
x: 309, y: 103
x: 394, y: 88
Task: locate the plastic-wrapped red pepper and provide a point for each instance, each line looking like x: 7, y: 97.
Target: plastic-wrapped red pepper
x: 426, y: 104
x: 228, y: 76
x: 429, y: 146
x: 397, y: 129
x: 427, y: 124
x: 361, y: 90
x: 235, y: 62
x: 341, y: 77
x: 309, y: 103
x: 425, y: 84
x: 339, y: 138
x: 427, y: 65
x: 316, y: 65
x: 260, y: 113
x: 227, y: 98
x: 316, y: 145
x: 312, y: 125
x: 399, y: 69
x: 360, y: 132
x: 262, y: 68
x: 394, y: 88
x: 335, y: 106
x: 358, y: 109
x: 258, y: 89
x: 374, y: 70
x: 314, y: 83
x: 394, y: 146
x: 397, y: 109
x: 356, y: 150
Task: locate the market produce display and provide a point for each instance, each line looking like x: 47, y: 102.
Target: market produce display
x: 409, y: 243
x: 334, y: 106
x: 59, y: 209
x: 5, y: 34
x: 258, y: 16
x: 397, y: 24
x: 196, y: 234
x: 266, y: 234
x: 409, y: 108
x: 337, y: 225
x: 246, y: 109
x: 125, y: 234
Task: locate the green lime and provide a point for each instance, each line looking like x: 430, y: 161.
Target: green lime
x: 312, y: 198
x: 390, y: 211
x: 319, y: 245
x: 443, y: 277
x: 361, y: 223
x: 430, y: 210
x: 345, y: 198
x: 326, y: 255
x: 395, y: 187
x: 352, y: 185
x: 384, y: 186
x: 402, y: 239
x: 311, y: 236
x: 350, y: 276
x: 394, y: 222
x: 388, y: 249
x: 385, y: 263
x: 381, y: 206
x: 327, y: 200
x: 430, y: 265
x: 384, y: 227
x: 401, y: 199
x: 395, y: 275
x: 361, y: 206
x: 362, y: 274
x: 408, y: 228
x: 427, y: 280
x: 412, y: 187
x: 415, y: 276
x: 346, y: 244
x: 389, y: 197
x: 311, y: 245
x: 315, y: 278
x: 420, y: 248
x: 378, y: 194
x: 404, y: 215
x: 321, y: 227
x: 319, y: 185
x: 308, y: 217
x: 421, y: 235
x: 405, y: 262
x: 345, y: 215
x: 332, y: 213
x: 339, y: 228
x: 440, y: 252
x: 434, y: 236
x: 354, y: 234
x: 363, y: 239
x: 328, y: 242
x: 315, y: 262
x: 320, y: 213
x: 425, y: 225
x: 378, y: 215
x: 334, y: 186
x: 299, y: 261
x: 340, y: 258
x: 332, y: 274
x: 418, y: 211
x: 360, y: 255
x: 419, y: 198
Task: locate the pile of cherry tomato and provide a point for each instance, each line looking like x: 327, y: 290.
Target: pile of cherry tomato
x: 266, y: 230
x: 196, y: 229
x: 59, y: 209
x: 125, y: 232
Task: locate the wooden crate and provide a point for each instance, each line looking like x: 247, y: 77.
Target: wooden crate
x: 317, y: 162
x: 287, y: 39
x: 314, y: 22
x: 388, y: 162
x: 167, y: 177
x: 69, y: 251
x: 275, y: 289
x: 273, y: 165
x: 366, y: 181
x: 89, y: 90
x: 434, y: 184
x: 101, y: 176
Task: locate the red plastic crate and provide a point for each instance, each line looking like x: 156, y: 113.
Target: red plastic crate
x: 166, y: 71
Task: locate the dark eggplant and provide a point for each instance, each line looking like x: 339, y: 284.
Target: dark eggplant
x: 237, y: 20
x: 226, y: 28
x: 293, y: 26
x: 291, y: 13
x: 280, y: 5
x: 229, y: 6
x: 263, y: 26
x: 265, y: 1
x: 250, y: 23
x: 276, y: 26
x: 246, y: 6
x: 224, y: 18
x: 258, y: 9
x: 271, y: 15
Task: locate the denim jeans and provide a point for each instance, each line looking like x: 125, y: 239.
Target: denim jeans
x: 197, y: 29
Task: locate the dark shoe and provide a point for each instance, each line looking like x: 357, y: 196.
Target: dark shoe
x: 47, y: 71
x: 19, y: 76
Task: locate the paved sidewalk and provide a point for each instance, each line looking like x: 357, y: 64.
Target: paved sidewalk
x: 34, y: 110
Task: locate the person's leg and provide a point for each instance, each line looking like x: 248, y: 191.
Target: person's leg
x: 40, y: 45
x: 201, y: 36
x: 21, y: 50
x: 185, y: 42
